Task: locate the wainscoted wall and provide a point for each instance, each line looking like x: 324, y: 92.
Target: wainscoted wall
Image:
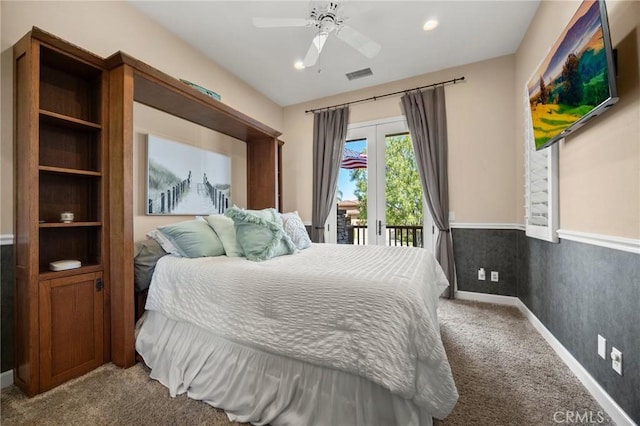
x: 6, y: 307
x: 577, y: 290
x: 491, y: 249
x: 580, y: 290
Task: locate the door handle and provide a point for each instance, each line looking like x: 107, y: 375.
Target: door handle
x: 379, y: 227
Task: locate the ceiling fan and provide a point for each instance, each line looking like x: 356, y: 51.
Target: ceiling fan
x: 326, y: 18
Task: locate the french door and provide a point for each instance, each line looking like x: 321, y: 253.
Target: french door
x: 379, y: 198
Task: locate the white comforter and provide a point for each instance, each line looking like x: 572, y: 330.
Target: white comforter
x: 368, y: 310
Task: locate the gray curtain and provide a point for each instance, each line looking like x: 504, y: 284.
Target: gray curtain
x: 329, y: 134
x: 427, y: 121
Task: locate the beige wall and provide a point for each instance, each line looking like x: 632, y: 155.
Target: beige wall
x: 151, y: 121
x: 104, y: 28
x: 599, y: 165
x: 480, y: 117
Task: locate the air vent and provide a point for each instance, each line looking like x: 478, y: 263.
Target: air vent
x: 359, y: 74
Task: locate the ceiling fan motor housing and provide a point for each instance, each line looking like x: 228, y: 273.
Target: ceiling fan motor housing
x: 327, y: 17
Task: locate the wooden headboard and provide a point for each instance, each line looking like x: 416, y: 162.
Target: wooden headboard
x: 131, y: 80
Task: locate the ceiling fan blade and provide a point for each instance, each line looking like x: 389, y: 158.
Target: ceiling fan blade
x: 281, y: 22
x: 314, y: 50
x: 358, y: 41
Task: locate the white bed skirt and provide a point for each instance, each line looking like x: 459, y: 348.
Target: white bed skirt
x: 259, y: 387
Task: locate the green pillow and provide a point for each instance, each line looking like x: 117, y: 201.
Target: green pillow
x: 260, y: 233
x: 223, y: 227
x: 193, y: 238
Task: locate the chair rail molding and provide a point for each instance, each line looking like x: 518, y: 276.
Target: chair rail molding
x: 630, y: 245
x: 484, y: 225
x: 6, y: 239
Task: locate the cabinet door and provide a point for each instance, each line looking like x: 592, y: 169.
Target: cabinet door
x: 71, y: 325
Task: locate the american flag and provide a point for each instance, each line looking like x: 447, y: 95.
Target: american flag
x: 353, y: 160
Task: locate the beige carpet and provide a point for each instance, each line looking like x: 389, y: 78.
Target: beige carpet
x: 505, y: 372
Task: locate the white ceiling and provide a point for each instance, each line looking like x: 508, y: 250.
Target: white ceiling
x: 469, y: 31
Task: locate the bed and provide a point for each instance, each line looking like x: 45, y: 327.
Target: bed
x: 330, y: 335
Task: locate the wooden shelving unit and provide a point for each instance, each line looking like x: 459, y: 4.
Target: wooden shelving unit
x: 61, y: 152
x: 74, y: 152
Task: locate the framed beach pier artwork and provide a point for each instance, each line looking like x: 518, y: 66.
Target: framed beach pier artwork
x: 186, y: 180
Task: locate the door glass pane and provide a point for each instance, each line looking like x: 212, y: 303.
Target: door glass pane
x: 403, y: 193
x: 351, y: 226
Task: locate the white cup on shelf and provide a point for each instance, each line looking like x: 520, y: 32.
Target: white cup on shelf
x: 66, y: 217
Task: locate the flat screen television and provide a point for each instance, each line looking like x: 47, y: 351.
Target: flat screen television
x: 576, y: 81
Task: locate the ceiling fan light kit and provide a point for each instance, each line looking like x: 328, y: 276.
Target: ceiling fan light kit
x: 327, y: 18
x: 430, y: 25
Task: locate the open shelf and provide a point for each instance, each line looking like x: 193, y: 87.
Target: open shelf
x: 68, y: 225
x: 65, y: 171
x: 46, y: 274
x: 67, y: 242
x: 67, y: 192
x: 68, y: 147
x: 65, y: 120
x: 69, y: 87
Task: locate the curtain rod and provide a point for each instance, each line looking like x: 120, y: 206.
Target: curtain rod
x: 375, y: 98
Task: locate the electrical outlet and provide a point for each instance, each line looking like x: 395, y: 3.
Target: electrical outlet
x: 494, y: 276
x: 616, y: 360
x: 602, y: 347
x: 481, y: 274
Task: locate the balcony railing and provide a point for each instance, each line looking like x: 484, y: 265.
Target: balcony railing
x: 397, y: 235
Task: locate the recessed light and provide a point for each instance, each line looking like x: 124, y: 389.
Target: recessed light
x: 299, y: 65
x: 431, y: 24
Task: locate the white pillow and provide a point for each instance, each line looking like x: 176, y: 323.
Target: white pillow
x: 295, y: 229
x: 225, y: 229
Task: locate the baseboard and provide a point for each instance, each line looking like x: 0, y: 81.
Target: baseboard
x: 487, y: 298
x: 612, y: 408
x: 6, y: 379
x: 616, y: 413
